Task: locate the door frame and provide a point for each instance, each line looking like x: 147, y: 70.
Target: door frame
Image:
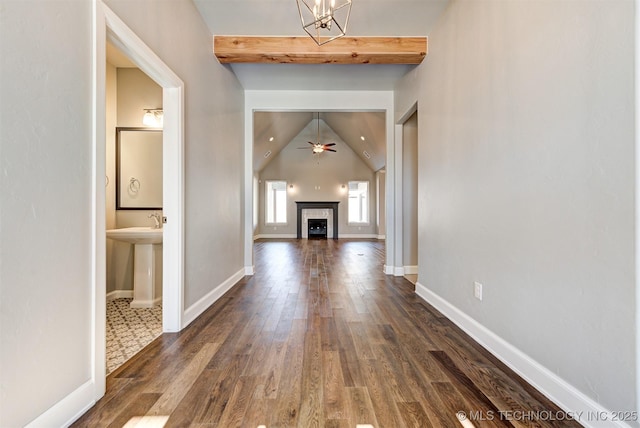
x: 399, y: 203
x: 108, y: 26
x: 313, y: 101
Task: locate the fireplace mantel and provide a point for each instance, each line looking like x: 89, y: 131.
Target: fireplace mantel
x: 305, y: 205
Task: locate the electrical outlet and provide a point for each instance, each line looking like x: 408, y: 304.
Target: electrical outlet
x: 477, y: 290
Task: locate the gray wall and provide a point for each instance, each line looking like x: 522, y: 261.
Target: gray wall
x: 45, y: 194
x: 45, y: 190
x: 305, y: 172
x: 526, y: 153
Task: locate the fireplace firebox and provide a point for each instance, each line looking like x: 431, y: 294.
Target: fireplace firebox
x: 317, y: 228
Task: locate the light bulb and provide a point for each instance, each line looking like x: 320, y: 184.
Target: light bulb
x: 148, y: 119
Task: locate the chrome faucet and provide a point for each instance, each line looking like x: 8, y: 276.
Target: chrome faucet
x: 157, y: 218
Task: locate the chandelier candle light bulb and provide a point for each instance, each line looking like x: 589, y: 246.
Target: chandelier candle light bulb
x: 324, y: 20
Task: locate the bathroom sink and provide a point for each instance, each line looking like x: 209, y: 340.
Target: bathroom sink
x: 136, y: 235
x: 146, y: 241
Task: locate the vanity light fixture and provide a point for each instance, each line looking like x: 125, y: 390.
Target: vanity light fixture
x: 324, y: 20
x: 153, y: 117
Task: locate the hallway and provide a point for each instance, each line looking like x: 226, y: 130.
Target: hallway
x: 319, y: 336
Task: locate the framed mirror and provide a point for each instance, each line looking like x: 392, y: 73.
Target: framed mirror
x: 138, y: 169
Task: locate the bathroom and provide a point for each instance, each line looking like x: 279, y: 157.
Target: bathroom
x: 134, y: 166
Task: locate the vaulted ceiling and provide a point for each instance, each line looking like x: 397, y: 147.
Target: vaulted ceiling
x: 363, y: 132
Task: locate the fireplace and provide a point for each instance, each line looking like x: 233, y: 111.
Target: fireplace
x: 304, y: 205
x: 317, y: 228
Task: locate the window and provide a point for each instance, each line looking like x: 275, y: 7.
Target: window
x: 276, y: 209
x: 358, y: 202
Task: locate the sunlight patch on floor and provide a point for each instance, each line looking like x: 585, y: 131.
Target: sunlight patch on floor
x: 147, y: 422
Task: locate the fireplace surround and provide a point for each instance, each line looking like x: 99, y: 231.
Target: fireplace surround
x: 302, y: 205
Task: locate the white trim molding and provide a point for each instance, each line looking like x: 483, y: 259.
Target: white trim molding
x: 294, y: 236
x: 565, y: 395
x: 357, y: 236
x: 275, y: 236
x: 75, y: 404
x: 119, y: 294
x: 410, y: 270
x: 193, y: 311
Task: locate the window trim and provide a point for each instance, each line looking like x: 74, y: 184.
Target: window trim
x: 266, y: 202
x: 359, y: 223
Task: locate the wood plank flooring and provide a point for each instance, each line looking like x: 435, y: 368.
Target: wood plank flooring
x: 318, y: 337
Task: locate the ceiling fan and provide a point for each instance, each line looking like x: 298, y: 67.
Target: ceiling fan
x: 318, y: 148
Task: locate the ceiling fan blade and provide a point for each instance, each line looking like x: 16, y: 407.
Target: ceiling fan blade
x: 330, y: 144
x: 330, y: 150
x: 313, y: 144
x: 303, y: 148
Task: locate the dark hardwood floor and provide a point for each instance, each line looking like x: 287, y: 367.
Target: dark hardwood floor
x: 319, y: 337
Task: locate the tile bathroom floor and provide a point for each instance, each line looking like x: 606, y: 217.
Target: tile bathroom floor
x: 129, y: 330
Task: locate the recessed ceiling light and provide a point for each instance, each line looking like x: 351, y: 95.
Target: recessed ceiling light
x: 270, y: 139
x: 362, y: 137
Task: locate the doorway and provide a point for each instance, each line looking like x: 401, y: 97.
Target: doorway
x: 133, y: 152
x: 110, y: 27
x: 410, y: 198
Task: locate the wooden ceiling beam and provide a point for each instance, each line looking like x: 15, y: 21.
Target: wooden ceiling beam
x: 303, y: 50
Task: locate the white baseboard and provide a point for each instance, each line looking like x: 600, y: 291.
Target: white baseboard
x: 388, y: 270
x: 209, y: 299
x: 145, y: 303
x: 410, y: 270
x: 275, y: 236
x: 340, y: 236
x: 249, y: 270
x: 382, y: 237
x: 119, y: 294
x: 398, y: 271
x: 76, y: 404
x: 585, y: 410
x: 357, y: 236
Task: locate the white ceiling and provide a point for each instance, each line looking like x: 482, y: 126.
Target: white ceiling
x: 392, y: 18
